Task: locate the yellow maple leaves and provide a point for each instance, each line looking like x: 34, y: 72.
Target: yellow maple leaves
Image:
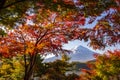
x: 29, y: 48
x: 49, y: 26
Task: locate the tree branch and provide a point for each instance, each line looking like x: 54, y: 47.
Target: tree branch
x: 17, y: 1
x: 38, y: 40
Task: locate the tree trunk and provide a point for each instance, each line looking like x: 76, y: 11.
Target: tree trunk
x: 28, y: 72
x: 29, y: 67
x: 28, y: 76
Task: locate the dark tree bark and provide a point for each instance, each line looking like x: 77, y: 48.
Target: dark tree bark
x: 2, y: 3
x: 29, y: 67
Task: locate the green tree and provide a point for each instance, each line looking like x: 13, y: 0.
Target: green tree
x: 106, y: 67
x: 57, y: 70
x: 12, y: 68
x: 15, y: 10
x: 40, y: 67
x: 65, y: 57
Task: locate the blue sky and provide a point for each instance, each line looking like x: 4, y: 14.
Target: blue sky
x: 72, y: 44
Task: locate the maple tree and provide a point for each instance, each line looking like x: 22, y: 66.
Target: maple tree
x: 42, y: 38
x: 54, y: 22
x: 106, y: 67
x: 104, y: 33
x: 15, y: 10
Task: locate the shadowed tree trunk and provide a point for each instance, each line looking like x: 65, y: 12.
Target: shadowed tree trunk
x: 29, y: 67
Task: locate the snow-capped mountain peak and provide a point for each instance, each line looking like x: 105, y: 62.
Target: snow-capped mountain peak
x: 79, y: 54
x: 79, y: 48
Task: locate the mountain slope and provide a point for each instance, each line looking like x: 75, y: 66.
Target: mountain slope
x: 79, y: 54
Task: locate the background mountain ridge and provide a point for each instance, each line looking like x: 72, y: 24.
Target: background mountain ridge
x: 78, y: 54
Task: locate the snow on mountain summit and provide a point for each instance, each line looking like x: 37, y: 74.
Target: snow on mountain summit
x: 79, y: 54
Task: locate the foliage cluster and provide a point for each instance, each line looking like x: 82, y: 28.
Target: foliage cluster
x: 72, y: 13
x: 11, y: 68
x: 53, y: 23
x: 106, y: 67
x: 55, y: 70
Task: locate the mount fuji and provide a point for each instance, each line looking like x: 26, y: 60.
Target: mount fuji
x: 79, y: 54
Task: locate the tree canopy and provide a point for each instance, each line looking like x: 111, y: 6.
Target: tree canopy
x: 106, y: 67
x: 43, y: 26
x: 105, y: 32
